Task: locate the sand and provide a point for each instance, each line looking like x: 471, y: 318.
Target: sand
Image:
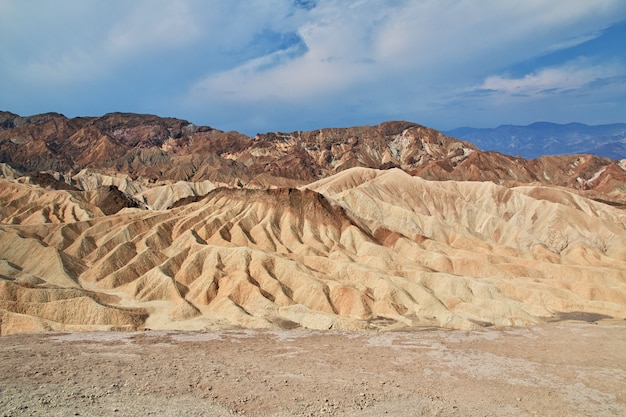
x: 558, y: 369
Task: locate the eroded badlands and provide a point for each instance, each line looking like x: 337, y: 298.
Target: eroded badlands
x: 362, y: 249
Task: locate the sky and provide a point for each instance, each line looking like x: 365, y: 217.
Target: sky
x: 259, y: 66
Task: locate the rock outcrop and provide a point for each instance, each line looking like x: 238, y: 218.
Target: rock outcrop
x: 142, y: 222
x: 361, y: 249
x: 165, y: 149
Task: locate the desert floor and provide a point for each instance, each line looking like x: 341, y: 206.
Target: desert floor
x: 557, y: 369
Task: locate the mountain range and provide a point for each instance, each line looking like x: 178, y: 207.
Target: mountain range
x: 130, y: 221
x: 154, y: 149
x: 543, y: 138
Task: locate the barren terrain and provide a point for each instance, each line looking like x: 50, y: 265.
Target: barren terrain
x: 145, y: 222
x: 558, y: 369
x: 152, y: 267
x: 362, y: 249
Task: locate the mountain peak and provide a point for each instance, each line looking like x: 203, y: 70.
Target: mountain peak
x: 546, y: 138
x: 172, y: 149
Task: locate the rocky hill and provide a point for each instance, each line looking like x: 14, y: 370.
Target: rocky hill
x: 133, y: 221
x: 166, y: 149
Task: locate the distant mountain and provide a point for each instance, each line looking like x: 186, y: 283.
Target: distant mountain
x: 168, y: 149
x: 543, y: 138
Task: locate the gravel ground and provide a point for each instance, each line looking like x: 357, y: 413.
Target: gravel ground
x: 559, y: 369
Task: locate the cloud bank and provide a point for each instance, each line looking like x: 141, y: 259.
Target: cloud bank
x: 286, y: 65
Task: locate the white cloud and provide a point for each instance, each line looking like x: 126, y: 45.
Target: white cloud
x: 77, y: 42
x: 153, y: 24
x: 337, y: 56
x: 408, y: 44
x: 138, y: 32
x: 380, y: 58
x: 572, y: 76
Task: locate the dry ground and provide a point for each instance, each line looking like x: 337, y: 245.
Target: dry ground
x: 558, y: 369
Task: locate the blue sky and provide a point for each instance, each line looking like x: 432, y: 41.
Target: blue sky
x: 283, y: 65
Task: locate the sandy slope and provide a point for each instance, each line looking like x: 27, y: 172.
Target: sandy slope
x: 30, y: 204
x: 153, y: 196
x: 361, y: 249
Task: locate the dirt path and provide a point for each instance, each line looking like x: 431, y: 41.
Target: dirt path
x: 566, y: 369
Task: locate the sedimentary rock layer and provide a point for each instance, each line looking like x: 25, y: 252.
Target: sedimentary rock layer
x: 361, y: 249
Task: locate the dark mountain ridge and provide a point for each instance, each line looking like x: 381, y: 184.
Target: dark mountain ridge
x: 544, y: 138
x: 170, y: 149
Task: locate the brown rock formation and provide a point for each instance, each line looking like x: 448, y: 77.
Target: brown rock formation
x: 344, y: 252
x: 140, y: 221
x: 150, y: 147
